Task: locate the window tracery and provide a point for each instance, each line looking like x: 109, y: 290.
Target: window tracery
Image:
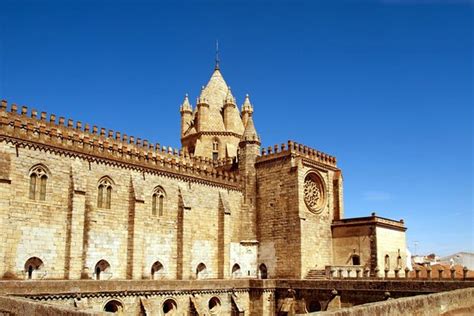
x: 38, y: 182
x: 104, y: 194
x: 158, y: 201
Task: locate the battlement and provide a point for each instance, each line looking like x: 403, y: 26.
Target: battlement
x: 291, y: 147
x: 59, y: 133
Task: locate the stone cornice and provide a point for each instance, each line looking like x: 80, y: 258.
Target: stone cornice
x: 370, y: 221
x: 211, y: 133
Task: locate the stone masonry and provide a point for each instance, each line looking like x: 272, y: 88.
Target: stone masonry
x: 82, y: 202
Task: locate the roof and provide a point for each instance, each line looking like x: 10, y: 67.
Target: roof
x: 214, y: 93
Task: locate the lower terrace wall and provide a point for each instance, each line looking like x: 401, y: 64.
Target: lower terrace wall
x: 13, y: 306
x: 457, y: 302
x: 250, y: 296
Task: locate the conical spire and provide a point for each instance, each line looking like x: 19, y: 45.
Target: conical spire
x: 250, y: 133
x: 186, y: 106
x: 247, y: 106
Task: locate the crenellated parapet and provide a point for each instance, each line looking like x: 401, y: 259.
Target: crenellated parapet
x: 33, y: 129
x: 294, y: 148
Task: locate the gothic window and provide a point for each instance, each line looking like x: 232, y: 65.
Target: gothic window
x: 158, y: 201
x: 104, y: 194
x: 38, y: 181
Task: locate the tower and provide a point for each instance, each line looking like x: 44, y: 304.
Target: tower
x: 215, y: 128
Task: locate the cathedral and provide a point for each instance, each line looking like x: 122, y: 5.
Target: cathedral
x: 83, y: 202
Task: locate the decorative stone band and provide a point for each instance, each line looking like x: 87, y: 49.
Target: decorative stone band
x: 23, y: 131
x: 211, y: 133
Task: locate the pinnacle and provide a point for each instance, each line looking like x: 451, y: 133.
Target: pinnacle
x: 250, y: 133
x: 247, y: 106
x: 186, y: 106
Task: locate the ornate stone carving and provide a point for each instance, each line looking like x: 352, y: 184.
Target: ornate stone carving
x: 314, y: 194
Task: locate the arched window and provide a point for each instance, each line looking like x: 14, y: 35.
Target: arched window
x: 314, y: 306
x: 38, y: 181
x: 170, y: 307
x: 214, y: 305
x: 113, y: 306
x: 262, y: 269
x: 215, y: 149
x: 33, y: 265
x: 201, y: 271
x: 158, y: 201
x: 102, y: 270
x: 387, y: 262
x: 157, y: 271
x: 236, y: 271
x: 104, y: 194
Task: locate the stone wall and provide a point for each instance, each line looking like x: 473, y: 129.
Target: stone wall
x: 457, y: 302
x: 350, y: 241
x: 71, y: 234
x: 278, y: 218
x: 253, y: 297
x: 13, y: 306
x: 391, y: 249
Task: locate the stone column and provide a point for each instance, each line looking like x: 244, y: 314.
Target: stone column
x: 138, y: 232
x: 183, y: 237
x: 75, y: 238
x: 136, y: 213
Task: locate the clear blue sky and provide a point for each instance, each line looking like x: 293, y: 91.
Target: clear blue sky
x: 386, y: 86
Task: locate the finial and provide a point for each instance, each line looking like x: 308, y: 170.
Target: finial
x: 217, y: 56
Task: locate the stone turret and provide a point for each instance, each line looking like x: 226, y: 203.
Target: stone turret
x: 247, y: 110
x: 203, y: 114
x: 186, y: 111
x: 231, y: 114
x: 249, y: 150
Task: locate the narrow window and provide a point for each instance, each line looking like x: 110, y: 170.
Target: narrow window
x: 109, y: 197
x: 32, y: 186
x: 43, y: 187
x: 153, y: 205
x: 100, y: 195
x: 161, y: 205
